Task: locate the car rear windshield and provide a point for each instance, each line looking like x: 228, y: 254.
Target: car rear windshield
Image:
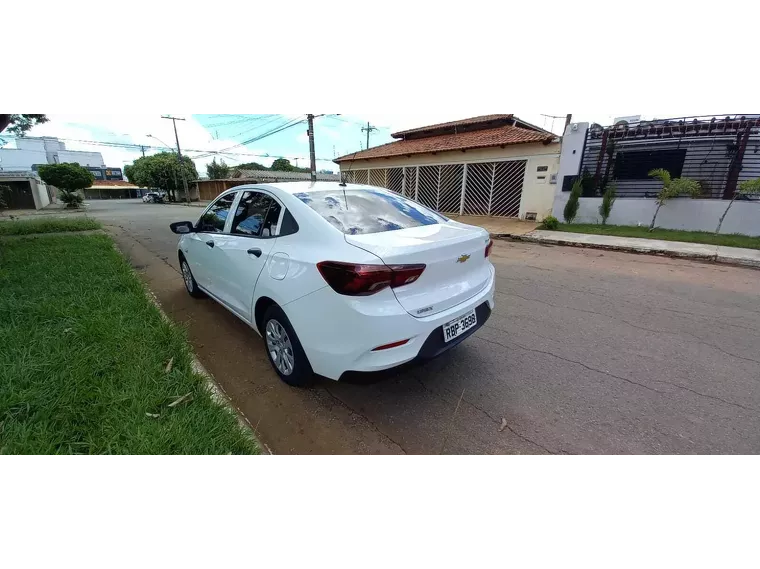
x: 356, y: 212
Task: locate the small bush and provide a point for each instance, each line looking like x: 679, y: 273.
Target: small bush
x: 71, y: 199
x: 573, y: 203
x: 550, y: 223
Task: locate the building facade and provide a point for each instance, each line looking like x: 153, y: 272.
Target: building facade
x: 493, y: 165
x: 31, y: 152
x: 718, y: 152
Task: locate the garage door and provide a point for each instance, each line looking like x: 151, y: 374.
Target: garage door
x: 494, y: 188
x: 20, y: 195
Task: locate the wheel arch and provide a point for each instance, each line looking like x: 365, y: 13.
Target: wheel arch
x: 260, y: 308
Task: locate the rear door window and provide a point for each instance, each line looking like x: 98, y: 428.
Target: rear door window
x: 257, y: 215
x: 357, y: 212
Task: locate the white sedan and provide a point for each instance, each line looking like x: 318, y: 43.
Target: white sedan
x: 339, y: 278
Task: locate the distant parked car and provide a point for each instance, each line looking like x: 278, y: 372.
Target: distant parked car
x: 154, y: 197
x: 338, y: 278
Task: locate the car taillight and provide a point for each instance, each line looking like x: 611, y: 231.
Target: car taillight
x: 488, y: 248
x: 364, y: 280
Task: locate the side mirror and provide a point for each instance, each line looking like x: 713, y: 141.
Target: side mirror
x: 182, y: 227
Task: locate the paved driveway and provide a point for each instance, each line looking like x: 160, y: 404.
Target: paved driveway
x: 587, y: 352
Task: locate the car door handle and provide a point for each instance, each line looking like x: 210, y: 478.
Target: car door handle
x: 256, y: 252
x: 210, y: 244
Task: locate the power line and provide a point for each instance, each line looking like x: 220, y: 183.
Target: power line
x: 260, y: 137
x: 276, y: 118
x: 203, y: 153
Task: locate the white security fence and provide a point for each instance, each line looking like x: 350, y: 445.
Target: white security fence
x: 482, y: 188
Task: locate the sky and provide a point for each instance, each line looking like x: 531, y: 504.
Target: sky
x: 335, y: 135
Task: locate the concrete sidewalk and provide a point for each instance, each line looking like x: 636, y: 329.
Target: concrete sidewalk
x: 696, y: 251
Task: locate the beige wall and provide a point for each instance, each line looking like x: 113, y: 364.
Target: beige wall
x: 40, y: 193
x: 538, y: 194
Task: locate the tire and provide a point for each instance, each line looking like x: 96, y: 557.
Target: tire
x: 295, y: 369
x: 187, y: 276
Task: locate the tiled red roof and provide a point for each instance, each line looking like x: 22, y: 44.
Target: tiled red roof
x: 502, y: 136
x: 112, y: 184
x: 463, y: 122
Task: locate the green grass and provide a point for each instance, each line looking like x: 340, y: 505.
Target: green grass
x: 83, y: 358
x: 47, y: 225
x: 665, y: 234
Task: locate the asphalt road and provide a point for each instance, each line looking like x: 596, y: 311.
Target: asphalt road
x: 587, y: 352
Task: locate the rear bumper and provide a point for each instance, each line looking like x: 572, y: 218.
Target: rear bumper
x: 435, y: 345
x: 339, y: 333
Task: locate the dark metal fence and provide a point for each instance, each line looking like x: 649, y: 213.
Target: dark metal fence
x: 718, y: 152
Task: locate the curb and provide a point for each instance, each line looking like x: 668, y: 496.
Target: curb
x: 217, y: 391
x: 717, y: 257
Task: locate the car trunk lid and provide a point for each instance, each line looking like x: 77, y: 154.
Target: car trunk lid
x: 456, y: 268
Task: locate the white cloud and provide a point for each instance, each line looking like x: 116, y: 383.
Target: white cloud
x: 134, y: 129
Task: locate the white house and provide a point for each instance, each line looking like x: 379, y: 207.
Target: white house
x: 32, y: 151
x: 494, y: 165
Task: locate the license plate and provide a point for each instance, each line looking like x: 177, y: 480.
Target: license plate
x: 459, y: 326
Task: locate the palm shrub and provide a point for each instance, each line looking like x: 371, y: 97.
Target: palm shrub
x: 608, y: 201
x: 747, y: 187
x: 573, y: 203
x: 672, y: 189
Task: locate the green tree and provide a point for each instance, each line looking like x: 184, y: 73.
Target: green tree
x: 746, y: 188
x: 672, y: 189
x: 573, y: 203
x: 217, y: 170
x: 129, y: 172
x: 251, y: 166
x: 20, y: 124
x: 608, y: 201
x: 69, y: 179
x: 161, y: 171
x: 282, y: 165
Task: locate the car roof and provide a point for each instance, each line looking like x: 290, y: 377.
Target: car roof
x: 308, y: 187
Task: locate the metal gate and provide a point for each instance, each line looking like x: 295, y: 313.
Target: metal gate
x: 19, y: 196
x: 485, y: 188
x: 494, y: 188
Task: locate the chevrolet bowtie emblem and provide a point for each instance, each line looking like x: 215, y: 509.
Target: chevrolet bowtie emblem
x: 463, y: 259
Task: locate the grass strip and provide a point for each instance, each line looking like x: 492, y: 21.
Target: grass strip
x: 48, y: 224
x: 705, y: 237
x: 84, y: 360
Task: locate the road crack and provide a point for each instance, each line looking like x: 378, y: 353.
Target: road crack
x: 627, y: 380
x: 644, y: 328
x: 491, y: 417
x: 363, y: 416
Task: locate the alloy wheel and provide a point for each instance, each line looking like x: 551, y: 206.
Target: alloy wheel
x: 187, y: 276
x: 280, y: 347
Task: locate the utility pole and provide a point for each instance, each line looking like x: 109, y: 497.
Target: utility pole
x: 369, y: 128
x: 179, y: 155
x: 312, y: 153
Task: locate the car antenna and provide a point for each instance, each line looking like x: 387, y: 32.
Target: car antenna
x: 343, y: 178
